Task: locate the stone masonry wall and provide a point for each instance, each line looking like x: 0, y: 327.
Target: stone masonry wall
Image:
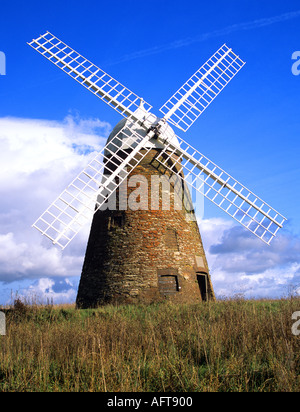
x: 143, y: 255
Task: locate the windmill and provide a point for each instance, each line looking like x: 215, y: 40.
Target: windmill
x: 145, y: 255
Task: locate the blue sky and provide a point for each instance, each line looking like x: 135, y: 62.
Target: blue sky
x: 251, y: 130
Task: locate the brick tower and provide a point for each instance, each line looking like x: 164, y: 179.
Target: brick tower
x: 146, y: 245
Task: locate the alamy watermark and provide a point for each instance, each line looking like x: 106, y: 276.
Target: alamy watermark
x: 2, y: 64
x: 157, y: 192
x: 296, y: 325
x: 296, y: 65
x: 2, y: 324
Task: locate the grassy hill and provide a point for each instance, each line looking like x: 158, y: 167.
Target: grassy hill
x: 231, y: 345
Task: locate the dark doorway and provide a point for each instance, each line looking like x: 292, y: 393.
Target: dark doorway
x: 203, y: 287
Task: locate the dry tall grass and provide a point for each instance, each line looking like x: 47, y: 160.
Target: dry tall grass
x: 233, y: 345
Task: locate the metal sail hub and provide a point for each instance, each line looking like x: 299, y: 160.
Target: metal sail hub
x: 148, y: 122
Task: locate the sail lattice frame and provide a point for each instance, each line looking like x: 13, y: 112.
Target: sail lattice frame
x: 97, y: 81
x: 221, y: 189
x: 89, y: 191
x: 190, y: 101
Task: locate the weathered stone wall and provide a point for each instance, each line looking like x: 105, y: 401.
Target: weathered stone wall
x: 143, y: 255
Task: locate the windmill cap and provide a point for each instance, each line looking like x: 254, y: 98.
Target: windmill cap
x: 149, y: 120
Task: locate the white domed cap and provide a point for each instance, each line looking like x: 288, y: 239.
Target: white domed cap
x: 127, y: 142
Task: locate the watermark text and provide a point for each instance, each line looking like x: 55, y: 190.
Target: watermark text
x: 154, y: 193
x: 296, y: 325
x: 296, y: 65
x: 2, y: 64
x: 2, y: 324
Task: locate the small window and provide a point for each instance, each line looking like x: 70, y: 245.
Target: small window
x: 168, y: 285
x: 115, y: 221
x: 168, y: 282
x: 171, y: 240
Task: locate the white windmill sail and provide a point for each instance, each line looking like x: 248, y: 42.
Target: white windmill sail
x: 96, y: 183
x: 189, y: 102
x: 65, y: 217
x: 101, y: 84
x: 222, y: 189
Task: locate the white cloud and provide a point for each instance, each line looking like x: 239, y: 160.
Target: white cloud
x: 31, y: 260
x: 46, y: 289
x: 30, y: 145
x: 240, y: 263
x: 39, y: 158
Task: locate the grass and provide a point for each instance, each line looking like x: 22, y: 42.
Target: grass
x: 230, y: 345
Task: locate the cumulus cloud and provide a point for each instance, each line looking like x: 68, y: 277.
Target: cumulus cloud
x: 240, y: 250
x: 30, y: 260
x: 39, y: 158
x: 240, y: 263
x: 50, y: 290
